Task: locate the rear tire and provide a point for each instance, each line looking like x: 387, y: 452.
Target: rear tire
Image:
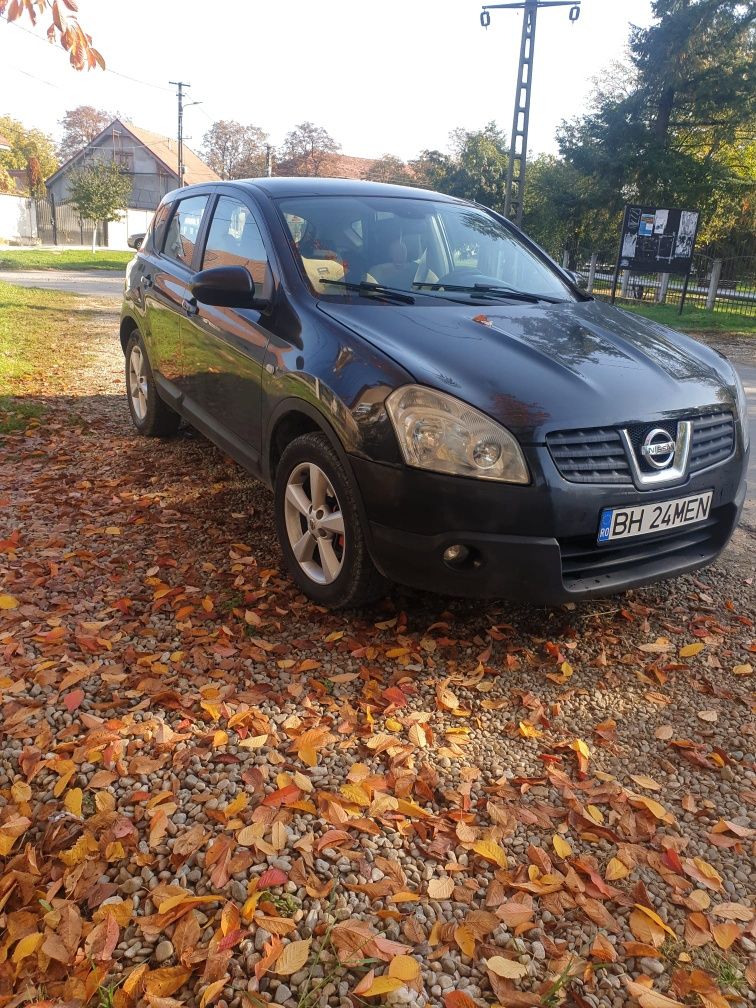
x: 319, y: 527
x: 149, y: 414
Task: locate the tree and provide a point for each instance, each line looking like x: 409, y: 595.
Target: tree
x: 306, y: 149
x: 476, y: 168
x: 100, y: 191
x: 64, y: 28
x: 677, y: 129
x: 80, y: 126
x: 235, y: 151
x: 31, y: 151
x: 390, y: 169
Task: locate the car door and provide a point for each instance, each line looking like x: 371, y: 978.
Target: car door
x: 224, y: 348
x: 165, y: 280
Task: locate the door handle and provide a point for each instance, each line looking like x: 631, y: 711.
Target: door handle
x: 190, y: 307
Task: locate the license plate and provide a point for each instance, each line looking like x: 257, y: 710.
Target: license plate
x: 623, y: 523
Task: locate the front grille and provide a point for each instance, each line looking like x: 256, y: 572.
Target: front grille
x: 597, y: 455
x: 713, y: 440
x: 583, y: 560
x: 590, y: 456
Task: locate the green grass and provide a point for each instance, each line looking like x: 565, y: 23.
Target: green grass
x: 693, y: 319
x: 64, y: 259
x: 35, y: 325
x: 16, y: 415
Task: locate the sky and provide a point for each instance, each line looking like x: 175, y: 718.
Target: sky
x: 394, y: 77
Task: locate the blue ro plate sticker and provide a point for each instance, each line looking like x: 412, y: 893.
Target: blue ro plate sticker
x: 606, y: 525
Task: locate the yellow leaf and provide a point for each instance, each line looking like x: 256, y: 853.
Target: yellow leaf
x: 255, y: 742
x: 465, y: 938
x: 404, y: 896
x: 527, y: 730
x: 211, y: 992
x: 655, y: 918
x: 404, y: 967
x: 691, y: 649
x: 8, y: 602
x: 647, y: 782
x: 742, y: 669
x: 355, y: 794
x: 393, y: 725
x: 239, y: 803
x: 382, y: 985
x: 440, y: 888
x: 27, y: 946
x: 506, y: 968
x: 21, y: 792
x: 166, y: 981
x: 293, y: 957
x: 580, y: 747
x: 616, y: 870
x: 594, y: 813
x: 73, y: 801
x: 561, y: 846
x: 249, y: 836
x: 491, y: 852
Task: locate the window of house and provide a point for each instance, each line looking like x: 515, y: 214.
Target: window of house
x: 184, y: 228
x: 234, y: 239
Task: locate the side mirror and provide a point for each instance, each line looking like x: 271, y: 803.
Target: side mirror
x: 226, y: 287
x: 135, y: 241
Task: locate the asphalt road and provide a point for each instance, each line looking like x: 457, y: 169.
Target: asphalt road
x: 94, y: 283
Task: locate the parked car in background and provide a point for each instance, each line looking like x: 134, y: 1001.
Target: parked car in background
x: 432, y: 400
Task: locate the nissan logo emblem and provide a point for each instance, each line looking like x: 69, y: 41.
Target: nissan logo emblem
x: 658, y: 448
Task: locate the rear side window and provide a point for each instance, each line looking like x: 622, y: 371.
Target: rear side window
x: 182, y: 232
x: 158, y: 224
x: 234, y: 239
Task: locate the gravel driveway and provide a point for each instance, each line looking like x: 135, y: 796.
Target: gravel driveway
x: 230, y: 797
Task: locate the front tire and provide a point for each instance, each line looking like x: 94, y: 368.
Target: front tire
x: 149, y: 414
x: 319, y: 528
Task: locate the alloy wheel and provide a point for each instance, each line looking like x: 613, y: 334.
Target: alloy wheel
x: 314, y: 523
x: 138, y: 383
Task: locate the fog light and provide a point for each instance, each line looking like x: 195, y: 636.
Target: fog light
x: 456, y: 554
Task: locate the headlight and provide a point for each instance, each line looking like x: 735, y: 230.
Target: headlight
x: 441, y: 433
x: 742, y: 402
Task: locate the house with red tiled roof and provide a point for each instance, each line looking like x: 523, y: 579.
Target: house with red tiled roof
x: 5, y: 145
x: 149, y: 158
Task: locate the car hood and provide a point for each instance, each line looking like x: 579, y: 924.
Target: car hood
x: 537, y: 368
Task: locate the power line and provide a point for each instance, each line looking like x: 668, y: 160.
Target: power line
x: 116, y: 73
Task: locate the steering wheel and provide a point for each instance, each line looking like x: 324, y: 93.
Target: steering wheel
x: 467, y: 276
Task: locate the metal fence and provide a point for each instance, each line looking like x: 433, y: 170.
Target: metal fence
x: 719, y: 285
x: 61, y: 225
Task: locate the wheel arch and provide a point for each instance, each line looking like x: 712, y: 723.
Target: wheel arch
x: 128, y: 327
x: 293, y: 417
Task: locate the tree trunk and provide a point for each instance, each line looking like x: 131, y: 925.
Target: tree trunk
x: 94, y: 237
x: 664, y: 113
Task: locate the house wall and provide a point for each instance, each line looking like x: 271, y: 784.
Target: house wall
x: 18, y: 220
x: 150, y: 179
x: 132, y: 222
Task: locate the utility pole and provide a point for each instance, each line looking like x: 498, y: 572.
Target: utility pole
x: 518, y: 144
x: 268, y: 160
x: 180, y: 95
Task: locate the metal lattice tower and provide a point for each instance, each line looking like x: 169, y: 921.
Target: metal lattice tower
x: 518, y: 148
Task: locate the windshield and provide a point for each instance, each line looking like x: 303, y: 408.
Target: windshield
x: 347, y: 244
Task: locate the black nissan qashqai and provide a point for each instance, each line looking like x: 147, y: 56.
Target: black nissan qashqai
x: 430, y: 397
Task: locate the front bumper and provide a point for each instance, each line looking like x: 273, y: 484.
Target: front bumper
x: 533, y: 544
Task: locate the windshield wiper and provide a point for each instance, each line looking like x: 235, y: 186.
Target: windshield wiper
x: 365, y: 287
x: 488, y: 290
